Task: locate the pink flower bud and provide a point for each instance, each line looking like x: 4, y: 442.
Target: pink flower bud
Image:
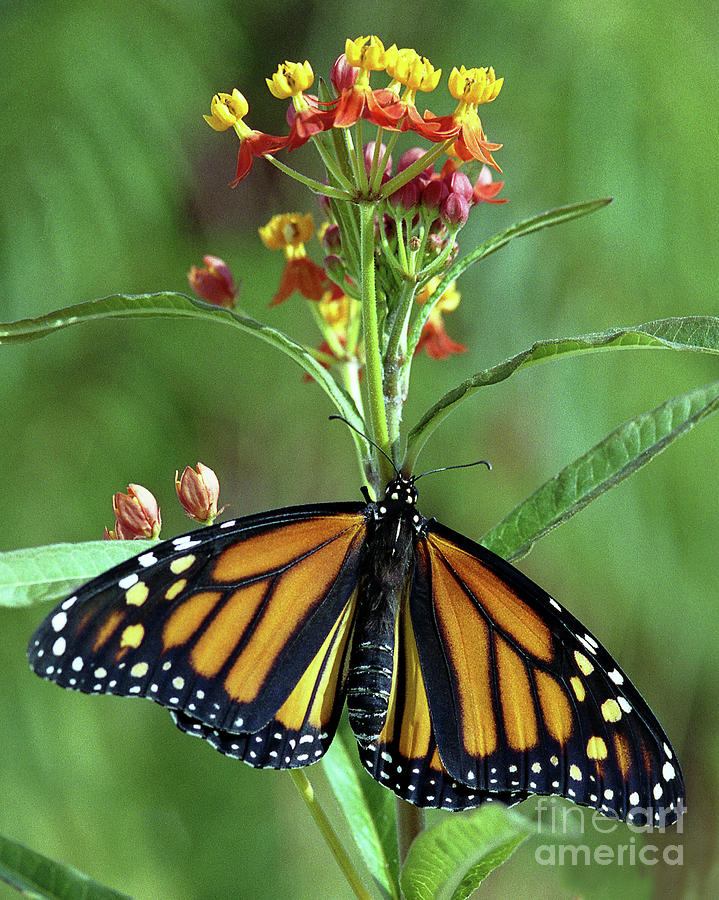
x: 332, y: 239
x: 137, y: 514
x: 405, y: 198
x: 214, y: 284
x: 411, y: 156
x: 454, y: 210
x: 434, y: 194
x: 198, y: 491
x: 458, y: 183
x: 342, y: 74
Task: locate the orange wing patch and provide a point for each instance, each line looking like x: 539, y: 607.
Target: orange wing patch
x: 268, y: 551
x: 507, y: 610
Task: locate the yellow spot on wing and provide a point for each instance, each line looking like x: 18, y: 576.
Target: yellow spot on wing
x: 132, y: 636
x: 175, y: 589
x: 596, y: 748
x: 139, y: 669
x: 575, y: 772
x: 577, y: 687
x: 611, y: 711
x: 584, y: 665
x: 182, y: 564
x: 137, y: 594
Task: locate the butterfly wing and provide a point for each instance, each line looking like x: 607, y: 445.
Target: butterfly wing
x: 521, y: 697
x: 239, y: 628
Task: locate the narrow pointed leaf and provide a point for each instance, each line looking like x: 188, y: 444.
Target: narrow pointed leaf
x: 451, y: 859
x: 369, y: 810
x: 168, y: 304
x: 693, y: 333
x: 622, y: 452
x: 527, y: 226
x: 36, y: 876
x: 35, y: 574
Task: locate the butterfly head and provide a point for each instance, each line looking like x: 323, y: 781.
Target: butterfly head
x: 401, y: 490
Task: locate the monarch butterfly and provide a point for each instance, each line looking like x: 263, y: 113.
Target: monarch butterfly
x: 464, y: 680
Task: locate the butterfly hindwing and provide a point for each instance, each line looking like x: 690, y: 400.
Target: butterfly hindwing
x: 228, y: 624
x: 302, y: 730
x: 404, y: 758
x: 523, y: 698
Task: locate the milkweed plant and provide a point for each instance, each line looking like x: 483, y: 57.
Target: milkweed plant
x: 400, y: 183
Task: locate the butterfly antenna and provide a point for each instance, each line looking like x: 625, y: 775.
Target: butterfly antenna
x: 370, y: 441
x: 479, y: 462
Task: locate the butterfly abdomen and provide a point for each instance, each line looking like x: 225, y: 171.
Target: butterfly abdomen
x: 389, y: 558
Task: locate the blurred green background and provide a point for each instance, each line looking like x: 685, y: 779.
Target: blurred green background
x: 112, y: 182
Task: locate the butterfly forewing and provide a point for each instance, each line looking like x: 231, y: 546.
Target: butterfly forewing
x: 221, y: 624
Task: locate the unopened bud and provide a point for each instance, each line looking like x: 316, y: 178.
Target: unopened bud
x: 198, y: 491
x: 454, y: 210
x: 137, y: 514
x: 342, y: 74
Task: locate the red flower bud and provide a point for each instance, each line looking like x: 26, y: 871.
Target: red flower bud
x: 342, y: 74
x: 137, y: 514
x: 198, y: 491
x: 214, y: 284
x: 454, y: 210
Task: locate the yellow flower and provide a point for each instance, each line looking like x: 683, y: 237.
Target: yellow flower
x: 288, y: 232
x: 226, y: 110
x: 409, y: 68
x: 473, y: 86
x: 290, y: 79
x: 366, y: 53
x: 448, y: 302
x: 335, y: 312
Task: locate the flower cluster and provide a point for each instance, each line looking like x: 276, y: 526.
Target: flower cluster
x: 419, y: 204
x: 390, y: 107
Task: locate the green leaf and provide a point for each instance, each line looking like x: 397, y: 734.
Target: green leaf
x: 169, y: 304
x: 450, y: 860
x: 35, y: 574
x: 36, y: 876
x: 369, y: 809
x: 693, y: 333
x: 527, y: 226
x: 622, y: 452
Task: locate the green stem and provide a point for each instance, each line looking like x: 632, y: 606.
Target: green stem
x: 373, y: 358
x: 377, y: 181
x: 328, y: 833
x: 362, y: 178
x: 315, y: 186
